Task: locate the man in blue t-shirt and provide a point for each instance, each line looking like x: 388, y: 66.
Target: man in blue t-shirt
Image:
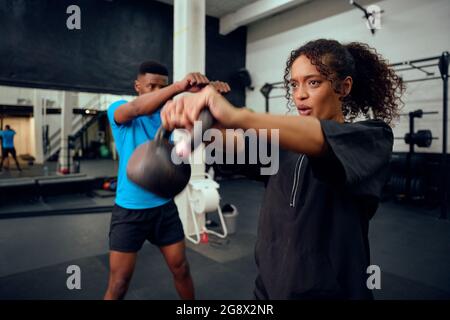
x: 7, y: 136
x: 140, y: 215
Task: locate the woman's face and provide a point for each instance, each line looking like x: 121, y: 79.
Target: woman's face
x: 313, y: 94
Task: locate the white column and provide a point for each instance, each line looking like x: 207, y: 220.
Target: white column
x: 188, y: 37
x: 189, y: 56
x: 37, y: 130
x: 68, y: 102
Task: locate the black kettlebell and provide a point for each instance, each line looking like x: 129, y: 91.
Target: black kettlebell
x: 151, y: 167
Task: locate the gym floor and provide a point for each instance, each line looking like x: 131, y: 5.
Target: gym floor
x: 95, y: 168
x: 410, y: 245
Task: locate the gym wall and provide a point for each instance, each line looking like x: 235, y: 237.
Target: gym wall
x: 401, y: 38
x: 39, y: 51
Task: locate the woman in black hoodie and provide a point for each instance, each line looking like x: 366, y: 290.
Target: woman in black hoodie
x: 312, y: 238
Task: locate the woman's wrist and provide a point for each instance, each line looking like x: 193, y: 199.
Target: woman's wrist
x: 241, y: 118
x: 233, y: 117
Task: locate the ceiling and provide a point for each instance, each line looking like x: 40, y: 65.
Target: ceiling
x: 219, y: 8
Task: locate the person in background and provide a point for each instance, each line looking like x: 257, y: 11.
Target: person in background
x: 7, y: 136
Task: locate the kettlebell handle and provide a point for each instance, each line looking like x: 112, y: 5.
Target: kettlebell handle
x: 162, y: 134
x: 207, y: 120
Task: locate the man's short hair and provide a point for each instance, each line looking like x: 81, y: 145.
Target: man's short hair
x: 7, y: 127
x: 153, y: 67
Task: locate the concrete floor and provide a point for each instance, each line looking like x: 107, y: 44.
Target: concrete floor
x: 26, y: 206
x: 94, y: 168
x: 410, y: 246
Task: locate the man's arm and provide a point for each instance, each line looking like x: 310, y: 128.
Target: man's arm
x: 148, y: 103
x: 145, y: 104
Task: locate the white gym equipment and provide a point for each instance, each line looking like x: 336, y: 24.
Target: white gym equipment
x: 203, y: 197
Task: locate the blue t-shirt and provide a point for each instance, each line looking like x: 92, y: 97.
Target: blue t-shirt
x: 7, y: 138
x: 128, y: 137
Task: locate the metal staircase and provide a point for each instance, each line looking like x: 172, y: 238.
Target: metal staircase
x: 80, y: 124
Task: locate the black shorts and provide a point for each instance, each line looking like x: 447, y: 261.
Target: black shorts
x: 130, y: 228
x: 6, y: 151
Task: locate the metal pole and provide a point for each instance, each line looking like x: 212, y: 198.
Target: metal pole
x: 443, y: 66
x: 68, y: 154
x: 413, y: 61
x: 409, y: 156
x: 421, y: 79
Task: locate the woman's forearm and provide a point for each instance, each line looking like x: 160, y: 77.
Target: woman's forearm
x: 296, y: 133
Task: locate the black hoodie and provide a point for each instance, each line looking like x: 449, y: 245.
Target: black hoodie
x: 312, y: 238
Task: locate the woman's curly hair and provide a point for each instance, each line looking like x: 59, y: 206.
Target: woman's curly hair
x: 376, y: 87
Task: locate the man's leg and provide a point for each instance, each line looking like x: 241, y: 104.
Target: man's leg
x: 175, y: 257
x: 121, y: 265
x: 5, y: 154
x: 1, y: 162
x: 15, y: 159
